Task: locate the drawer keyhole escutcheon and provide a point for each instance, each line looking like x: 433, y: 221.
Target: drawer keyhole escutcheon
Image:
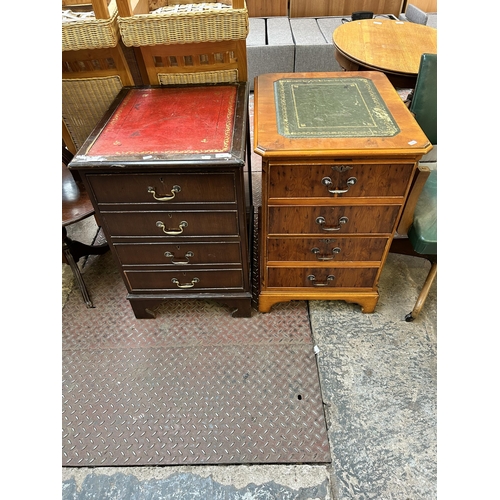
x: 341, y: 168
x: 321, y: 221
x: 185, y: 285
x: 175, y: 189
x: 187, y: 255
x: 323, y: 257
x: 327, y: 181
x: 312, y: 278
x: 172, y: 232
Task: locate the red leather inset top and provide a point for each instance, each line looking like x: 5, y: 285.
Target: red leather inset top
x: 170, y: 120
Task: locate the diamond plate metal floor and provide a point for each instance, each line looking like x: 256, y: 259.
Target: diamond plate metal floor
x: 193, y: 386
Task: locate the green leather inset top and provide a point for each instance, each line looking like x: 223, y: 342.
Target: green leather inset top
x: 331, y: 107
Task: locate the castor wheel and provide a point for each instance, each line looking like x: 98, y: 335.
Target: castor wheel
x: 409, y: 317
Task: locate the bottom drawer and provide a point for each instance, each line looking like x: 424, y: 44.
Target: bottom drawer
x: 188, y: 281
x: 344, y: 277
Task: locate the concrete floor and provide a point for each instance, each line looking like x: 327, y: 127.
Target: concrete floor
x: 378, y: 378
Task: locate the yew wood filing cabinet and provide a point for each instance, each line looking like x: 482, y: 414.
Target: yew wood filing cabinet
x: 339, y: 151
x: 165, y: 171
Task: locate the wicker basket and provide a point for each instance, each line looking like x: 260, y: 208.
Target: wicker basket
x: 92, y: 33
x: 210, y: 25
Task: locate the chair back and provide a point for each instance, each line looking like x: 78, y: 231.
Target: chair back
x: 424, y: 102
x: 192, y: 42
x: 94, y: 68
x: 415, y: 15
x: 423, y: 232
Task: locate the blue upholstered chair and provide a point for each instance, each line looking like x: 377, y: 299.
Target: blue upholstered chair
x: 417, y: 230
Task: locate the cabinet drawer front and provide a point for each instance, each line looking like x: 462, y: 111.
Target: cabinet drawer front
x: 322, y: 278
x: 167, y: 188
x: 329, y: 181
x: 325, y: 249
x: 171, y: 224
x: 181, y: 254
x: 332, y: 220
x: 184, y: 281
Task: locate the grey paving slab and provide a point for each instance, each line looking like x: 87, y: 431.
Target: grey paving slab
x: 378, y: 376
x: 299, y: 482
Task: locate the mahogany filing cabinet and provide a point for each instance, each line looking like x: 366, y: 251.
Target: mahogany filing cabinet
x: 165, y: 169
x: 339, y: 152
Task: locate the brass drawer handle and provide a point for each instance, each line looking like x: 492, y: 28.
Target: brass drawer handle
x: 185, y: 285
x: 321, y: 221
x: 325, y: 256
x: 188, y: 255
x: 175, y: 189
x: 172, y: 232
x: 312, y: 278
x: 327, y: 181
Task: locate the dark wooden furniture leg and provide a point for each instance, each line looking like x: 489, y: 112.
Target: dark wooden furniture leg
x: 79, y: 249
x: 68, y: 258
x: 243, y: 307
x: 73, y: 251
x: 76, y: 206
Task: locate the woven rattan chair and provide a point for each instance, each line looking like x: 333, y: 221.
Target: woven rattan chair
x: 84, y: 102
x: 94, y: 70
x: 191, y: 43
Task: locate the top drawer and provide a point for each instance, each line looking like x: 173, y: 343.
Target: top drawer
x: 331, y: 181
x: 164, y: 188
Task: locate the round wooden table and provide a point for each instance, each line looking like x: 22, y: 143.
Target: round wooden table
x: 393, y: 47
